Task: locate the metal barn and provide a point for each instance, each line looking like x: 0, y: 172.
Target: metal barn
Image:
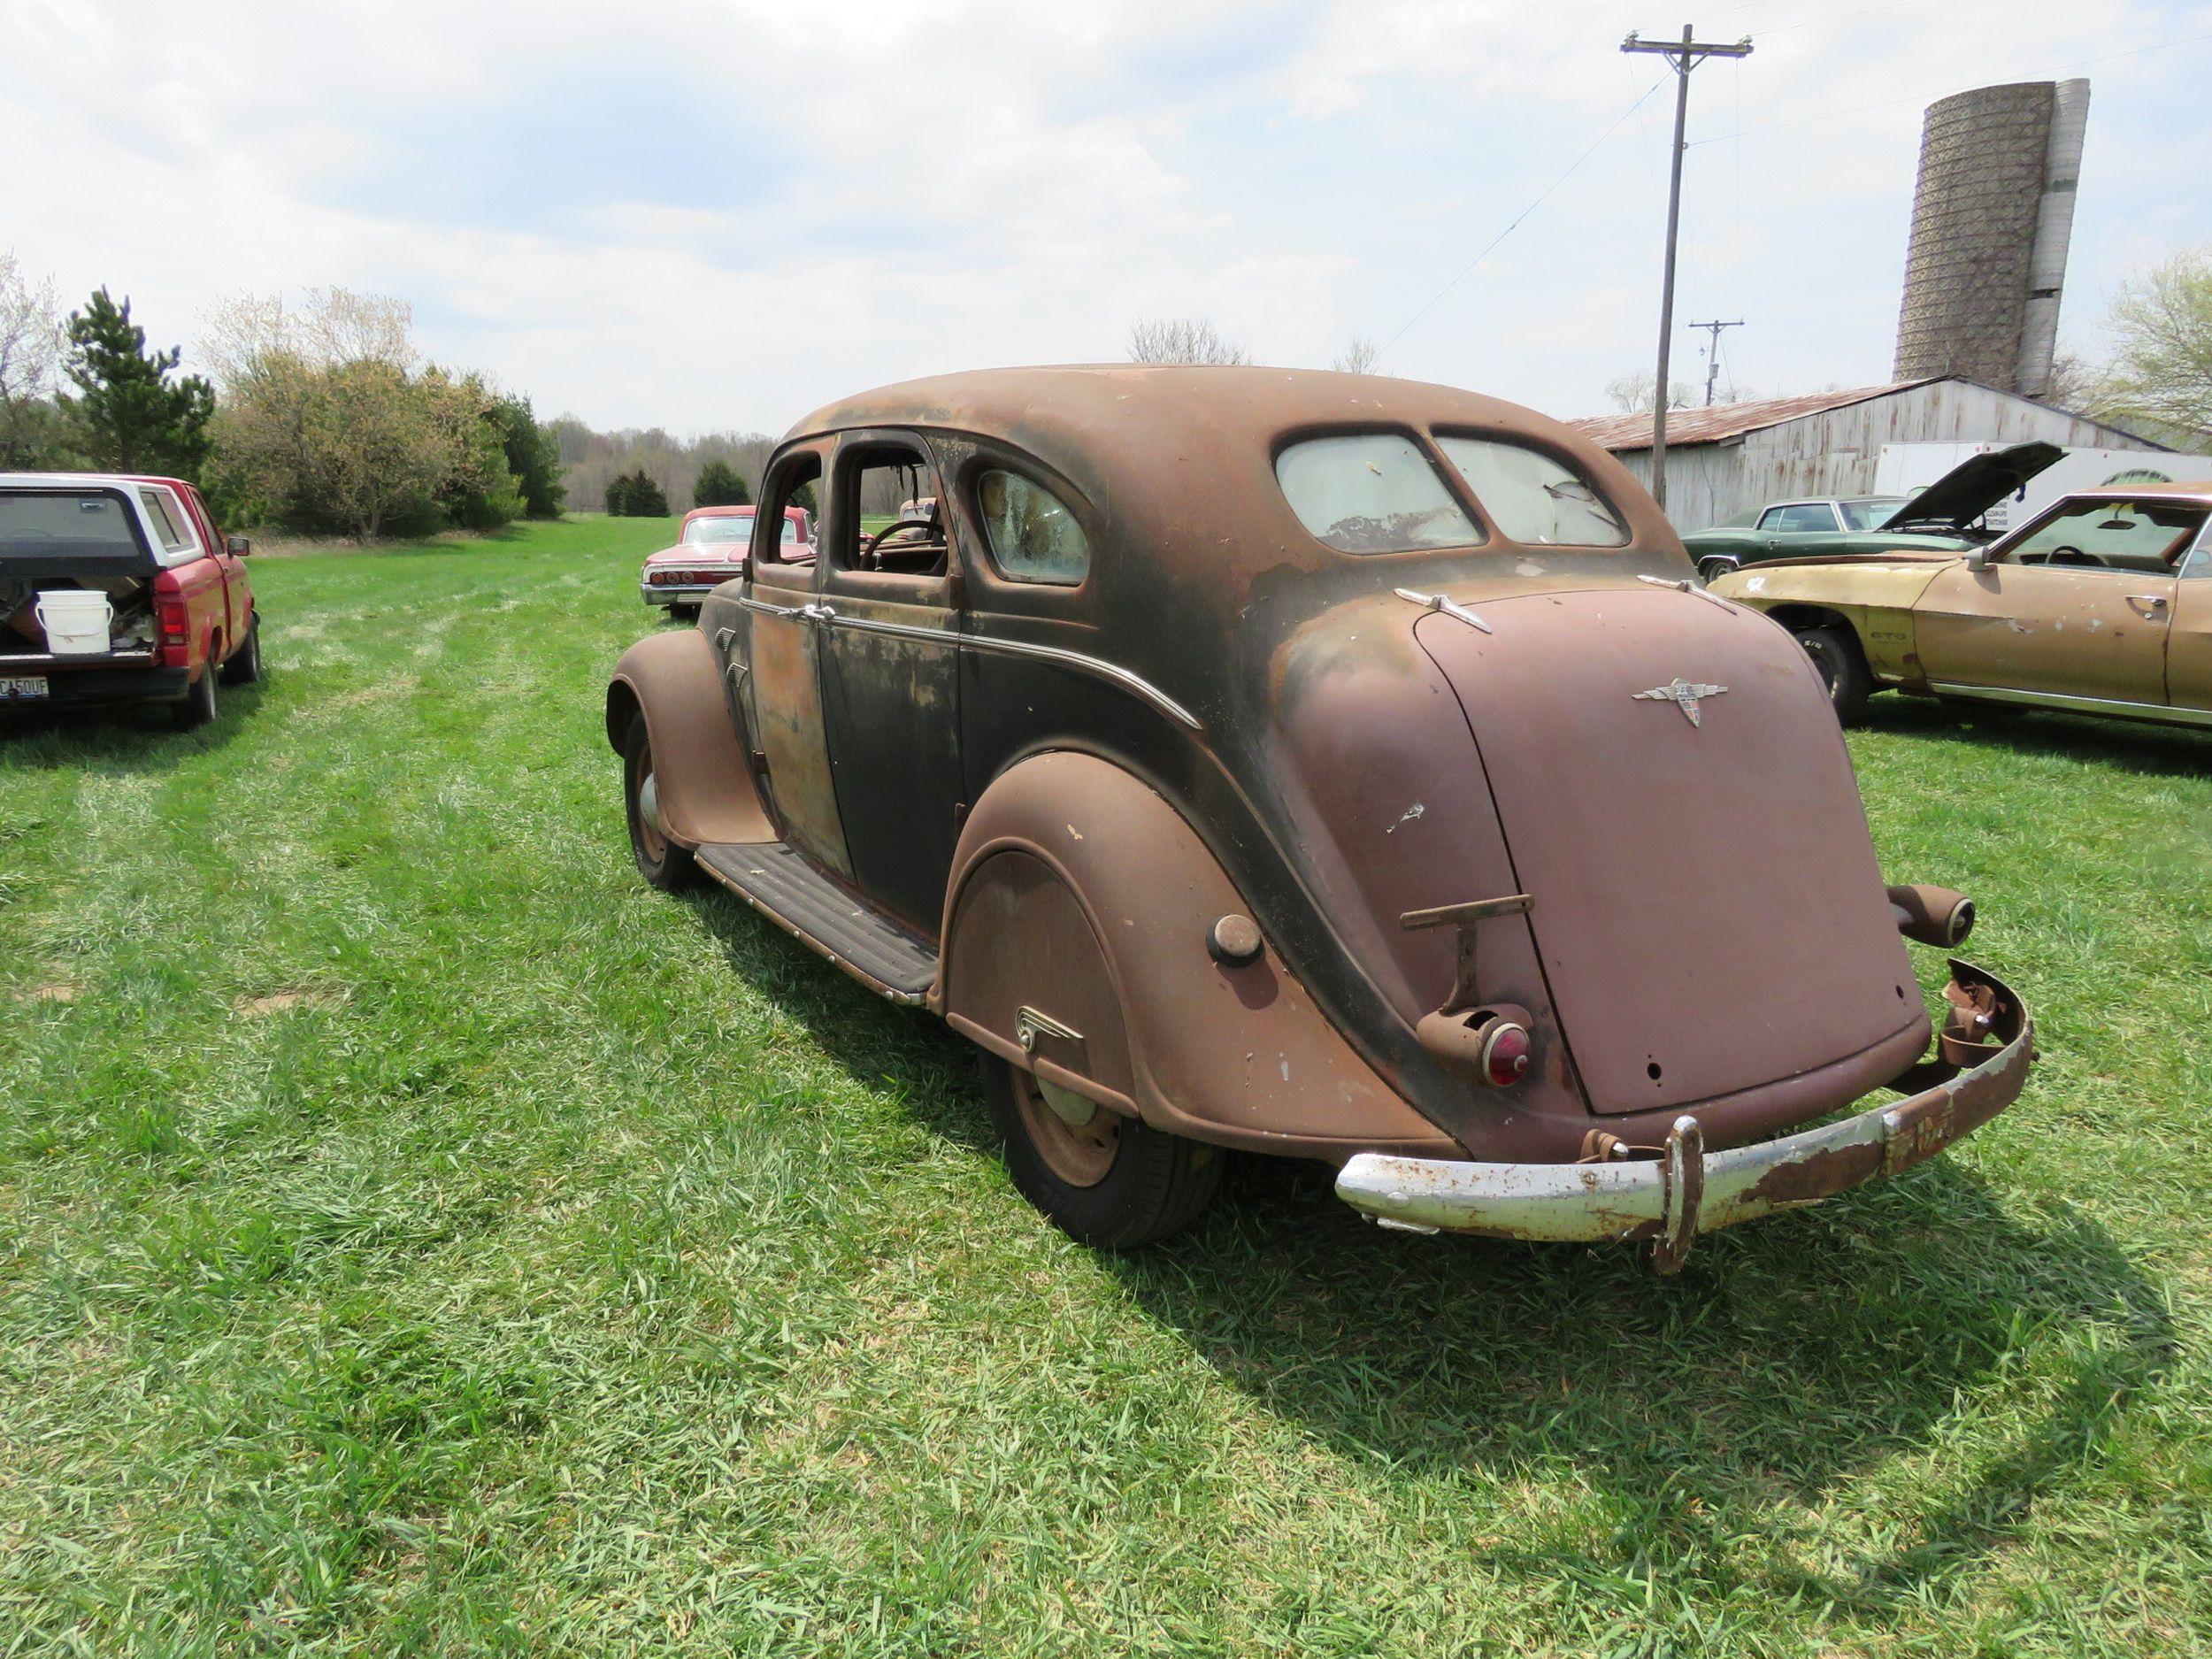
x: 1733, y: 457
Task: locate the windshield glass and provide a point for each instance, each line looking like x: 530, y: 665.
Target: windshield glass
x: 1374, y: 492
x: 2149, y: 536
x: 1869, y: 513
x: 1532, y: 497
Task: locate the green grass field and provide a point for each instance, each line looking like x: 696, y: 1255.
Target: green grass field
x: 419, y: 1236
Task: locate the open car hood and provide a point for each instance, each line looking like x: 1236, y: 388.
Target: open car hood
x: 1973, y: 487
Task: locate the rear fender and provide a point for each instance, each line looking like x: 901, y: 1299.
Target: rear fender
x: 1076, y: 931
x: 701, y: 771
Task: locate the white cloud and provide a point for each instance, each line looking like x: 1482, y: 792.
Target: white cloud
x: 712, y: 214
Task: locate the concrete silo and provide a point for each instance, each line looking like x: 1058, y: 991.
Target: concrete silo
x: 1991, y: 222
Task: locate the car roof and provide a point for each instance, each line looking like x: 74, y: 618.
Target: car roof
x: 1139, y: 407
x: 86, y: 480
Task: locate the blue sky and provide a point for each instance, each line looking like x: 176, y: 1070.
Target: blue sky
x: 719, y: 216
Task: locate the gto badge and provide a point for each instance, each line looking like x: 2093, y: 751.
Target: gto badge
x: 1685, y: 696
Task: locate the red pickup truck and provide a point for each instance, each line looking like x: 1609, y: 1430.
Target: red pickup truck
x: 115, y: 588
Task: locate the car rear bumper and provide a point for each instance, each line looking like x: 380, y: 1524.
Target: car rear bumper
x: 1687, y: 1190
x: 75, y: 681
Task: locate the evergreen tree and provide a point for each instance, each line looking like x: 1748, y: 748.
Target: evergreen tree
x: 618, y: 495
x: 719, y: 485
x: 647, y: 499
x: 133, y: 418
x: 534, y: 455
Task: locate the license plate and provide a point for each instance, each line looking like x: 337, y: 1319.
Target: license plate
x: 23, y: 688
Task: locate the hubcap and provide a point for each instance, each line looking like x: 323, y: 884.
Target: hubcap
x: 1077, y: 1138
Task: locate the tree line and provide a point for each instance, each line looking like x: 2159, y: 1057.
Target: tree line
x: 324, y: 419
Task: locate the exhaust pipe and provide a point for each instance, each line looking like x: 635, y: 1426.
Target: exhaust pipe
x: 1932, y: 916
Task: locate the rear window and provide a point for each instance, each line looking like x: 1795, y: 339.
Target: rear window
x: 1372, y: 492
x: 1534, y: 498
x: 68, y: 524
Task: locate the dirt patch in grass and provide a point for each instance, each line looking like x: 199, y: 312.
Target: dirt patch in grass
x: 284, y: 1001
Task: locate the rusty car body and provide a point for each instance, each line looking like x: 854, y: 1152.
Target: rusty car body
x: 2100, y: 605
x: 1315, y: 764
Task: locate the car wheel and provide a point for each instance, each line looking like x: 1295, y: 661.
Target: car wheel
x: 1713, y: 570
x: 659, y: 860
x: 1105, y: 1180
x: 200, y: 705
x: 244, y: 667
x: 1842, y: 667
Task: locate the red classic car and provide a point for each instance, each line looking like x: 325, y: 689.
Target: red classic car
x: 709, y: 551
x: 118, y: 588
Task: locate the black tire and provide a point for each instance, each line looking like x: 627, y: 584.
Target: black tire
x: 201, y: 705
x: 660, y: 861
x: 1842, y: 667
x: 1713, y: 569
x: 244, y: 667
x: 1155, y: 1184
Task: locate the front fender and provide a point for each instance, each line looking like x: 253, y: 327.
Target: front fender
x: 701, y: 773
x: 1080, y: 896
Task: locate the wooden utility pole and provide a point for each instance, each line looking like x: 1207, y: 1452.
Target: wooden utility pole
x: 1682, y: 56
x: 1712, y: 355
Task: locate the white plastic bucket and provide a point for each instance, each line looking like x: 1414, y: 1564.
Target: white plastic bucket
x: 75, y: 620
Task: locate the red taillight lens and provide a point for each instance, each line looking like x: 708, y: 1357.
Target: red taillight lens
x: 169, y: 613
x: 1506, y: 1055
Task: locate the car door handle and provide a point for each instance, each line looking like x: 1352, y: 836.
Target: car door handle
x: 2156, y: 602
x: 817, y: 613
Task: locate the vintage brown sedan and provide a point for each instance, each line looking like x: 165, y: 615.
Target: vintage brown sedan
x: 1315, y: 764
x: 2100, y: 604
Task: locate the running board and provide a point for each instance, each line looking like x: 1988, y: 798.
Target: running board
x: 775, y: 880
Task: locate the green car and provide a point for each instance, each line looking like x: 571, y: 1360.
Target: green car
x: 1944, y: 517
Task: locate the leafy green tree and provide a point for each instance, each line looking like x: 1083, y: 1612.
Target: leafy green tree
x: 534, y: 455
x: 133, y: 418
x: 618, y: 495
x: 2161, y: 380
x: 719, y: 485
x: 647, y: 499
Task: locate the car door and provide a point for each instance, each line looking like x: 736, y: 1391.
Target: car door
x: 2073, y: 605
x: 2189, y: 636
x: 890, y: 660
x: 1798, y: 528
x: 775, y: 665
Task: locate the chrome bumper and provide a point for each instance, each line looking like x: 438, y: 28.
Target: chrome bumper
x: 1672, y: 1199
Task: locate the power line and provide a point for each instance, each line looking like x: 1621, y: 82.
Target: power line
x: 1523, y: 213
x: 1891, y: 103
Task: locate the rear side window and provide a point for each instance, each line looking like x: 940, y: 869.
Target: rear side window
x: 1033, y: 536
x: 165, y: 520
x: 1371, y: 492
x: 1532, y: 497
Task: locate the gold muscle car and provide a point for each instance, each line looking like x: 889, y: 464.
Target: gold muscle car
x: 2101, y: 605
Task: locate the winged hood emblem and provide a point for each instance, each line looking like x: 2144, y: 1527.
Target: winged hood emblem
x: 1686, y: 696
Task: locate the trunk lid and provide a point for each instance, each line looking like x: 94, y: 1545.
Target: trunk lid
x: 1676, y: 799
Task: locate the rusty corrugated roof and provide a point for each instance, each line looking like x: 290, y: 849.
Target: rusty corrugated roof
x: 1726, y: 420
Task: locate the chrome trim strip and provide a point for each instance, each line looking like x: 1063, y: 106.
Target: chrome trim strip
x: 767, y: 610
x: 2065, y: 702
x: 1135, y: 684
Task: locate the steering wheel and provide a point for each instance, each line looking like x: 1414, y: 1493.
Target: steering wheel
x: 2075, y: 555
x: 869, y: 558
